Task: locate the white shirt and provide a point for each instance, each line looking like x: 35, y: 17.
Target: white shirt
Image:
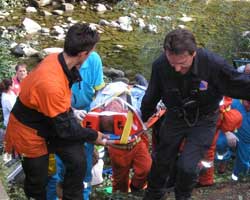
x: 7, y: 100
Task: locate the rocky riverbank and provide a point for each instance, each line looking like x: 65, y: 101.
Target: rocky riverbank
x: 132, y: 32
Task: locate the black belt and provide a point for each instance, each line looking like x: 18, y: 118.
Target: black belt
x: 128, y: 146
x: 32, y: 118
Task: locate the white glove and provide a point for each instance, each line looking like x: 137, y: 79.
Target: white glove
x: 231, y: 139
x: 80, y: 114
x: 7, y: 157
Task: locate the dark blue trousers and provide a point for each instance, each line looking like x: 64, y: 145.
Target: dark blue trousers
x: 197, y: 141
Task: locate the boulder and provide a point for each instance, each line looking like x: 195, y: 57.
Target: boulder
x: 40, y: 3
x: 31, y: 26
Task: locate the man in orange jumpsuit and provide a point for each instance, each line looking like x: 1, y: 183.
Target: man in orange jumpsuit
x: 132, y: 154
x: 42, y: 120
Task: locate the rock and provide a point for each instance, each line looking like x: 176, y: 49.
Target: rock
x: 12, y: 44
x: 114, y: 24
x: 15, y: 17
x: 52, y: 50
x: 3, y: 31
x: 151, y: 28
x: 113, y: 73
x: 57, y: 12
x: 84, y: 2
x: 48, y: 51
x: 125, y: 20
x: 167, y: 18
x: 68, y: 7
x: 126, y: 27
x: 100, y: 7
x: 3, y: 14
x: 31, y: 9
x: 181, y: 26
x: 45, y: 13
x: 40, y: 3
x: 57, y: 30
x: 12, y: 28
x: 246, y: 34
x: 186, y: 18
x: 45, y: 30
x: 135, y: 4
x: 71, y: 20
x: 125, y: 23
x: 104, y: 22
x: 94, y: 26
x: 24, y: 50
x: 29, y: 51
x: 108, y: 7
x: 60, y: 37
x: 31, y: 26
x: 141, y: 23
x: 119, y: 46
x: 133, y: 15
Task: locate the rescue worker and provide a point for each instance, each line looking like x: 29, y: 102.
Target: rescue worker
x: 92, y: 81
x: 82, y: 95
x: 242, y: 144
x: 42, y: 119
x: 190, y: 81
x: 229, y: 121
x: 240, y: 139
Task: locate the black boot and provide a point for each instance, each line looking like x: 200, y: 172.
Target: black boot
x: 182, y: 195
x: 136, y: 191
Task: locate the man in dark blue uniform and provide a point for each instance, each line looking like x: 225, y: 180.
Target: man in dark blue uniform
x: 190, y: 81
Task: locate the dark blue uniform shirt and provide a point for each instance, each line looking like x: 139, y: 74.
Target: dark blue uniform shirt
x: 209, y: 78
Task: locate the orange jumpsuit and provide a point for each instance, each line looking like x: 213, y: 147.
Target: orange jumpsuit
x: 122, y: 160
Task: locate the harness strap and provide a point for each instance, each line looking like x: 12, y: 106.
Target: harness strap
x: 189, y: 123
x: 127, y: 128
x: 128, y: 146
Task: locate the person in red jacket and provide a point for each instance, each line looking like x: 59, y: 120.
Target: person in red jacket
x: 21, y: 73
x: 42, y: 120
x: 229, y: 120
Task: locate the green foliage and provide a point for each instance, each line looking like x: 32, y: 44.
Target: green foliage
x: 243, y: 48
x: 12, y: 3
x: 15, y: 192
x: 7, y: 61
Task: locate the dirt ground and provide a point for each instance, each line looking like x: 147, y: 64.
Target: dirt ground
x: 219, y: 191
x: 223, y: 189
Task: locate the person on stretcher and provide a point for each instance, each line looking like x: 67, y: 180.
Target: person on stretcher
x: 116, y: 111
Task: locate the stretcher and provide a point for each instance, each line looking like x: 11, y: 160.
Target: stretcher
x: 238, y: 62
x: 127, y: 125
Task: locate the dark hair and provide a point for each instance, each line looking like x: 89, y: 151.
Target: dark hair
x: 20, y: 65
x: 179, y: 41
x: 80, y: 37
x: 5, y: 84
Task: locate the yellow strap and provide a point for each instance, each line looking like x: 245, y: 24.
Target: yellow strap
x: 227, y: 109
x: 52, y: 164
x: 127, y: 128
